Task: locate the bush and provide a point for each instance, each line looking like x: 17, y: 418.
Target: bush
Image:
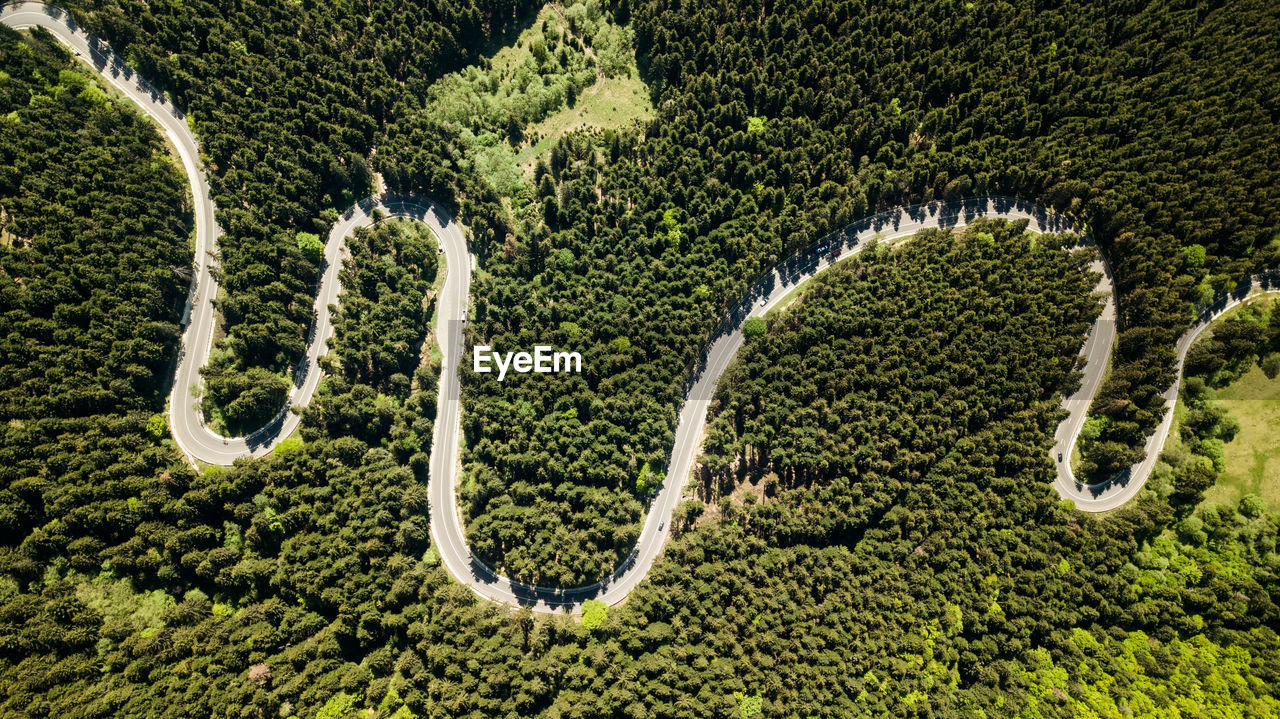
x: 1271, y: 365
x: 594, y: 612
x: 311, y: 246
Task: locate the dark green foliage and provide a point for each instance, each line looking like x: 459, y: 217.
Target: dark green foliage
x: 964, y: 591
x: 872, y: 386
x: 286, y: 99
x: 382, y: 322
x: 1152, y: 123
x: 93, y: 271
x: 244, y: 401
x: 1251, y: 335
x: 904, y: 555
x: 381, y: 346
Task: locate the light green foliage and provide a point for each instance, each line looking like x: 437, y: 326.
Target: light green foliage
x: 954, y: 620
x: 754, y: 327
x: 1215, y: 450
x: 643, y: 481
x: 1253, y: 506
x: 750, y: 706
x: 1138, y: 676
x: 158, y: 426
x: 565, y: 258
x: 1194, y: 256
x: 392, y: 699
x: 571, y: 330
x: 431, y: 557
x: 755, y: 124
x: 535, y: 86
x: 287, y: 446
x: 117, y: 600
x: 674, y: 229
x: 594, y: 612
x: 311, y: 246
x: 338, y: 706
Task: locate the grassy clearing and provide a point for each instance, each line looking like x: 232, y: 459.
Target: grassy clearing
x: 611, y: 103
x: 433, y: 354
x: 573, y: 69
x: 289, y: 444
x: 1253, y: 457
x: 788, y: 299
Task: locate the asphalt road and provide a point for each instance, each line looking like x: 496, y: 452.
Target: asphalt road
x: 201, y: 443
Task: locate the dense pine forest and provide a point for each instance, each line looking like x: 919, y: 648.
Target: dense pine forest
x: 94, y: 266
x: 873, y: 532
x: 1155, y: 124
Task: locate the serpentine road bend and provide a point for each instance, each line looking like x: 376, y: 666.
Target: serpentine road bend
x: 199, y: 442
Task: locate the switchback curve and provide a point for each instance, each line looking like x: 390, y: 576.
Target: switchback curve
x: 199, y: 442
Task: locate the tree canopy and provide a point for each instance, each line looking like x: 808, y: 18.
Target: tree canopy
x: 874, y: 531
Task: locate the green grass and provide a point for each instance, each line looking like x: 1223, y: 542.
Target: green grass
x: 611, y: 103
x: 289, y: 444
x: 543, y: 82
x: 1253, y: 457
x: 433, y: 352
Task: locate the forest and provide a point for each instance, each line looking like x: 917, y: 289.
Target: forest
x: 771, y: 133
x: 287, y: 100
x: 771, y: 127
x: 875, y: 536
x: 94, y: 266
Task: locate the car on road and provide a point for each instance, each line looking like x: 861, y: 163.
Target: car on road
x: 1059, y: 456
x: 661, y: 525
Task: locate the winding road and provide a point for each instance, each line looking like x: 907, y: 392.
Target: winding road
x: 201, y: 443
